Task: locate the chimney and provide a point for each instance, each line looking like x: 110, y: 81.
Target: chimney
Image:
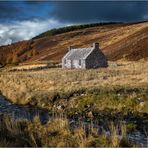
x: 96, y: 45
x: 69, y: 48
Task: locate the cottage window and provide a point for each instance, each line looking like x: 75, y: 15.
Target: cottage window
x: 65, y: 61
x: 79, y: 62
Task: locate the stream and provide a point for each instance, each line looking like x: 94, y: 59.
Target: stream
x: 22, y: 112
x: 26, y: 112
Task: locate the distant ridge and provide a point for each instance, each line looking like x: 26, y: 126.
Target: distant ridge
x: 61, y: 30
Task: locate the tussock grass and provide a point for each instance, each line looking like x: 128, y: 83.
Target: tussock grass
x: 13, y: 133
x: 57, y: 133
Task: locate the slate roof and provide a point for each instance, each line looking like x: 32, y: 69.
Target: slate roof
x: 78, y: 53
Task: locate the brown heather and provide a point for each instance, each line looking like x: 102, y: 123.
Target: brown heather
x: 117, y: 41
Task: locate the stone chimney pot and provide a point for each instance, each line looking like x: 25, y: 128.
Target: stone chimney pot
x: 70, y: 47
x: 96, y: 45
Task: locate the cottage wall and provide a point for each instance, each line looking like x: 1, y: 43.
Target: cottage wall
x: 96, y: 59
x: 66, y: 63
x: 83, y: 64
x: 75, y: 64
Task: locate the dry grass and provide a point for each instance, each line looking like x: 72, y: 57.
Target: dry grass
x: 120, y: 88
x: 57, y: 133
x: 21, y: 86
x: 43, y: 88
x: 28, y: 67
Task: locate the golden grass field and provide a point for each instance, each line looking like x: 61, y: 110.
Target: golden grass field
x: 23, y: 87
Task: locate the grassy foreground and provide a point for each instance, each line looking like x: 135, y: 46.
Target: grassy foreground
x: 57, y: 133
x: 116, y: 93
x: 122, y: 85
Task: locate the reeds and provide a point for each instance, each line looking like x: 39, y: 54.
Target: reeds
x: 59, y: 133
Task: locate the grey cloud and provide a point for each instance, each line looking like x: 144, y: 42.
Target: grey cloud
x: 21, y: 24
x: 87, y: 11
x: 24, y: 30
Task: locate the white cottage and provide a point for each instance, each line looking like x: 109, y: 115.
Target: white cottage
x: 85, y: 58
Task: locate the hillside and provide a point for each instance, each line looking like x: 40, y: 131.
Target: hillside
x: 118, y: 41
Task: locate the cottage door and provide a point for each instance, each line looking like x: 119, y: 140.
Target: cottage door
x: 72, y: 64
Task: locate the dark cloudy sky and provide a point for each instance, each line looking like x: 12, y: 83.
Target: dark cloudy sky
x: 24, y: 19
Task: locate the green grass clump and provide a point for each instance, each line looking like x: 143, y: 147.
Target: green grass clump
x: 131, y: 127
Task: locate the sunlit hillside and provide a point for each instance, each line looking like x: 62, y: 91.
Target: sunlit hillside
x: 118, y: 41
